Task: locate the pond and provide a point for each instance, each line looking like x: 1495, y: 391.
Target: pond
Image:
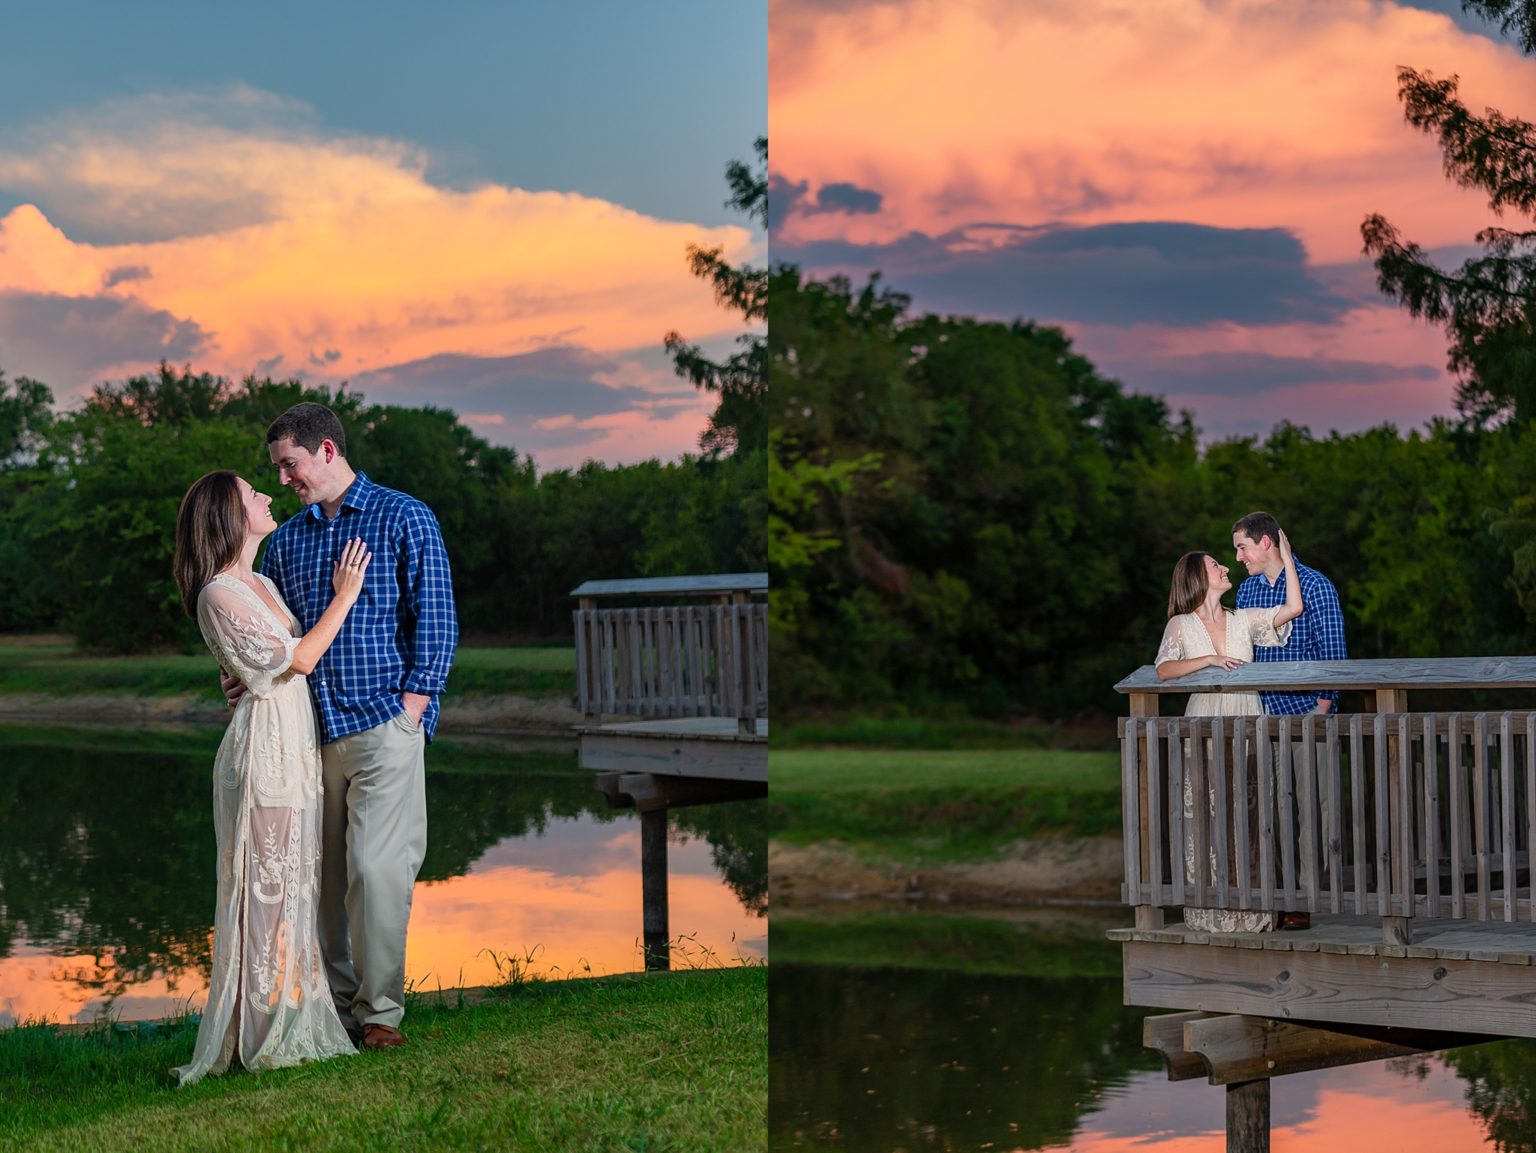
x: 107, y: 873
x: 891, y: 1058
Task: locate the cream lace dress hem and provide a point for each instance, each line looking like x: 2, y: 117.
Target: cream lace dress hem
x: 268, y: 1001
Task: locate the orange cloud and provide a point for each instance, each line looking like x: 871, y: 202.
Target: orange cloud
x: 285, y: 250
x: 1254, y: 113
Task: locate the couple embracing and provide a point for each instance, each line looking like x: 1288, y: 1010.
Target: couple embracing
x: 1285, y: 612
x: 334, y: 655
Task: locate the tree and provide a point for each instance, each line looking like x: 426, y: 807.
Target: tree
x: 1488, y: 306
x: 739, y: 424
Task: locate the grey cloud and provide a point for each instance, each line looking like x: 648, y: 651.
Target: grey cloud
x: 70, y: 341
x: 328, y: 357
x: 846, y: 198
x: 124, y: 274
x: 1136, y: 273
x: 549, y: 383
x: 788, y: 198
x: 1250, y: 373
x: 784, y: 199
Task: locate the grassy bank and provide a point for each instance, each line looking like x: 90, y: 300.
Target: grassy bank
x: 930, y: 806
x: 657, y: 1062
x: 53, y: 667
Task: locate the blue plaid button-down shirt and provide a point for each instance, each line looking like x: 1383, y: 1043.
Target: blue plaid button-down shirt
x: 1316, y: 635
x: 401, y: 634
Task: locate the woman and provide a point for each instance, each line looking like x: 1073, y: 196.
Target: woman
x: 268, y: 1001
x: 1203, y: 633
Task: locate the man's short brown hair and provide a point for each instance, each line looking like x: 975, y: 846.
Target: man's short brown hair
x: 307, y: 424
x: 1258, y: 525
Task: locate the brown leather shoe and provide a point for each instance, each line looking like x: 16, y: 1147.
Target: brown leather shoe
x: 1295, y: 921
x: 382, y: 1037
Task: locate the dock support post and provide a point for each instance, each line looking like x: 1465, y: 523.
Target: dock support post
x: 653, y: 887
x: 1248, y: 1117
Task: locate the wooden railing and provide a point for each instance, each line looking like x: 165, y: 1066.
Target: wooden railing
x: 666, y: 660
x: 1432, y: 813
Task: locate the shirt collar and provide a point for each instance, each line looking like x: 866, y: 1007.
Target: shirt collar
x: 356, y: 497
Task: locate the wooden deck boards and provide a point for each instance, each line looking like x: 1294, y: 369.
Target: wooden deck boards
x: 1498, y: 941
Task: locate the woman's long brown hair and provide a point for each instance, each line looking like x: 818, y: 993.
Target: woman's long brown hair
x: 1190, y: 584
x: 210, y: 532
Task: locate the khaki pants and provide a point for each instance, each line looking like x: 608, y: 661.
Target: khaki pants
x: 373, y: 839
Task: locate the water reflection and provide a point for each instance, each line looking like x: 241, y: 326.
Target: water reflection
x: 107, y: 872
x: 882, y: 1059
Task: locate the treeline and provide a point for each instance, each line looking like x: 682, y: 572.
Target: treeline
x: 968, y: 512
x: 88, y: 505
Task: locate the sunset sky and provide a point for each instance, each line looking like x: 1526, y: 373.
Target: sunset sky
x: 475, y: 205
x: 1177, y: 183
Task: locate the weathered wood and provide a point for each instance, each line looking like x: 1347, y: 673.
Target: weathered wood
x: 1507, y: 791
x: 1266, y: 817
x: 642, y: 791
x: 1334, y: 985
x: 1240, y: 849
x: 1248, y: 1117
x: 1164, y: 1033
x: 704, y: 752
x: 653, y: 886
x: 1480, y: 810
x: 1371, y: 675
x: 710, y: 584
x: 1132, y: 789
x: 1237, y: 1048
x: 1287, y: 800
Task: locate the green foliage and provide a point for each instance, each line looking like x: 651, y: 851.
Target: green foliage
x: 739, y: 423
x: 967, y: 514
x: 90, y: 502
x: 1488, y: 307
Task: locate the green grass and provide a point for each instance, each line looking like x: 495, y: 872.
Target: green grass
x: 923, y: 807
x: 1050, y: 947
x: 656, y: 1062
x: 56, y: 669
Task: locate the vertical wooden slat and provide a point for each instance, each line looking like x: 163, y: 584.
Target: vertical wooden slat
x: 1358, y: 812
x: 1201, y: 817
x: 611, y: 662
x: 1507, y: 788
x: 1530, y: 799
x: 1220, y: 790
x: 1455, y: 785
x: 1180, y: 831
x: 1242, y: 877
x: 1403, y: 819
x: 1333, y: 838
x: 1310, y: 810
x: 1266, y: 814
x: 1286, y: 800
x: 1381, y: 803
x: 1130, y: 791
x: 1153, y: 818
x: 1435, y: 899
x: 1481, y: 797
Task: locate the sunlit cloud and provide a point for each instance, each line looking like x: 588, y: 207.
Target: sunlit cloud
x: 227, y: 229
x: 1283, y: 113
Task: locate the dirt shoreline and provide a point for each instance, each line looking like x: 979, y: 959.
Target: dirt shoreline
x: 468, y: 716
x: 1079, y: 870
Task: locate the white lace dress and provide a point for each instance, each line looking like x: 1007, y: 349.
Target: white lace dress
x: 268, y: 1001
x: 1186, y: 637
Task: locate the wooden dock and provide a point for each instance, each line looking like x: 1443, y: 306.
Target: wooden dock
x: 689, y: 656
x: 1406, y: 836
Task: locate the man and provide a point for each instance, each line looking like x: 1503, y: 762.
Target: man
x: 375, y: 693
x: 1316, y: 635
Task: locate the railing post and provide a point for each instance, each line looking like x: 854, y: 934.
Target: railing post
x: 1145, y: 705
